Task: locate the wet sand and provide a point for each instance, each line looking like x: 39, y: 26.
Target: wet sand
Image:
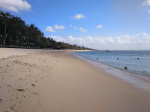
x: 55, y: 81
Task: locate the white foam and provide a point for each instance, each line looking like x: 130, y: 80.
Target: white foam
x: 141, y: 82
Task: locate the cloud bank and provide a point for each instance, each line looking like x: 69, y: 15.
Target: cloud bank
x: 15, y: 5
x: 58, y: 38
x: 136, y: 42
x: 79, y: 16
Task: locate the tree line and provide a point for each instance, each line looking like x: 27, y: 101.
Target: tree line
x: 14, y: 32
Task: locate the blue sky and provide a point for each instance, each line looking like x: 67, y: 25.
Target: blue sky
x: 123, y: 24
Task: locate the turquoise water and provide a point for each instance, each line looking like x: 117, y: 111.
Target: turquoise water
x: 129, y: 59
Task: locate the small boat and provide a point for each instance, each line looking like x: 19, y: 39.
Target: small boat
x: 108, y: 51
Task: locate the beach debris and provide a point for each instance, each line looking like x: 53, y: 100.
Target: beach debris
x: 125, y: 67
x: 32, y: 84
x: 137, y: 58
x: 22, y: 90
x: 0, y: 100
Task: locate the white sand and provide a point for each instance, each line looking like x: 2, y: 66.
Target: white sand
x: 55, y: 81
x: 9, y: 52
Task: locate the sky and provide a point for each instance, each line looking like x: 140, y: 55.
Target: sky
x: 98, y: 24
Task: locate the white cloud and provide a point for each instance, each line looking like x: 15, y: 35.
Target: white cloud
x: 75, y: 27
x: 83, y: 30
x: 57, y: 38
x: 49, y: 29
x: 59, y: 27
x: 79, y: 16
x: 148, y: 11
x: 15, y: 5
x: 147, y: 2
x: 99, y: 26
x: 136, y: 42
x: 71, y: 25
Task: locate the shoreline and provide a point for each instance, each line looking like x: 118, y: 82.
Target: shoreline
x: 56, y: 81
x: 125, y: 70
x: 136, y: 80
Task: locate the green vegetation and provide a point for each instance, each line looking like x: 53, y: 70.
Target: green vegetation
x: 14, y: 32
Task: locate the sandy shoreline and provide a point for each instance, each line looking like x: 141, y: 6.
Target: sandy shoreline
x: 139, y: 81
x: 56, y: 81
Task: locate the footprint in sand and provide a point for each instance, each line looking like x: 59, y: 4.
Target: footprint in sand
x: 22, y: 90
x: 32, y: 84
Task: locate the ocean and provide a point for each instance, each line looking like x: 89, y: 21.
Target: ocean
x: 114, y: 62
x: 136, y: 61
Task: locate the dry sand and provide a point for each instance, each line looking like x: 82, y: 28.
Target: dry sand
x: 55, y: 81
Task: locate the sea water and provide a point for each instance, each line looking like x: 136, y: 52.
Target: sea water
x: 136, y: 61
x: 114, y: 62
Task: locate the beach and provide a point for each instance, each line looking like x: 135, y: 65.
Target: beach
x: 55, y: 81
